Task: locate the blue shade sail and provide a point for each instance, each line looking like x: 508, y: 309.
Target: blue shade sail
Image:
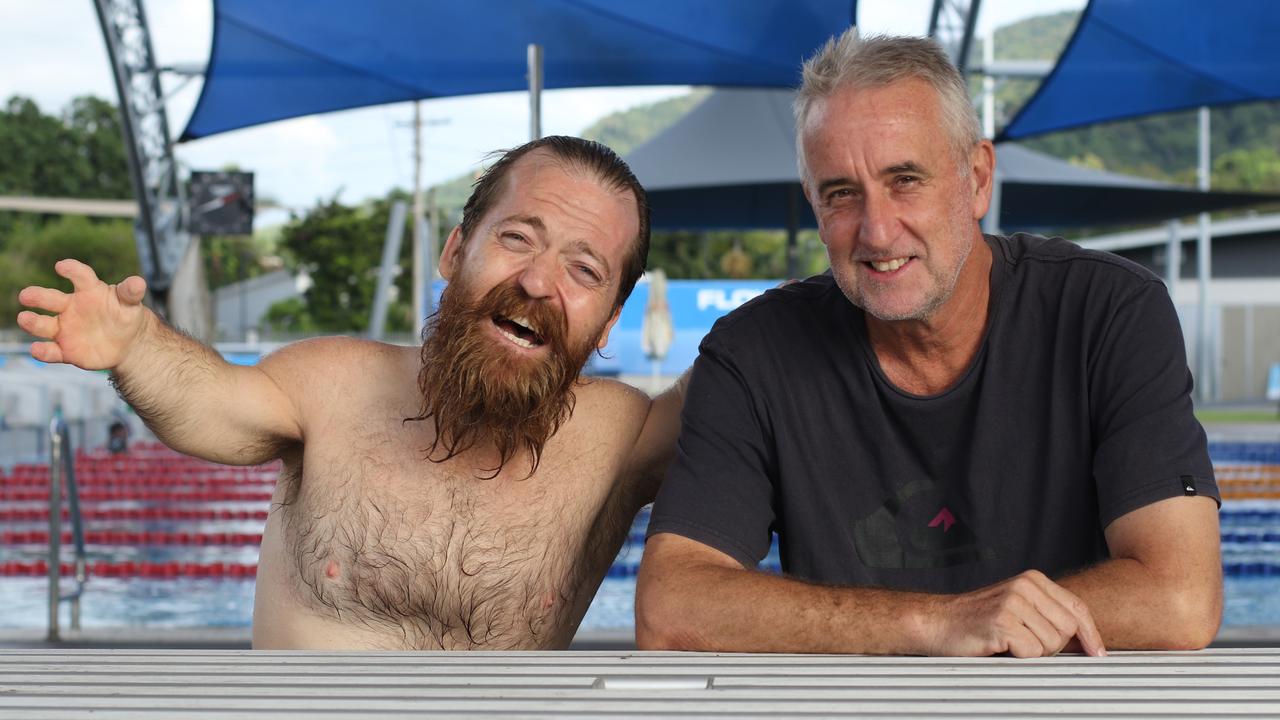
x: 288, y: 58
x: 1137, y: 57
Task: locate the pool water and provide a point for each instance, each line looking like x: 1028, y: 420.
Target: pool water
x: 1248, y: 473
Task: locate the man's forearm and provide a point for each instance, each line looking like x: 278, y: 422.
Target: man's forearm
x: 693, y: 597
x: 188, y: 396
x: 1139, y: 608
x: 731, y: 610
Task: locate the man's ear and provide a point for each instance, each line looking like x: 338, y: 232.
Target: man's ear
x: 449, y: 254
x: 604, y: 336
x: 982, y: 166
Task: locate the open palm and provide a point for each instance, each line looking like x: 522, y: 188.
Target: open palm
x: 91, y: 327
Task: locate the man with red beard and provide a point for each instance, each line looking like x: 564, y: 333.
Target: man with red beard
x: 469, y: 494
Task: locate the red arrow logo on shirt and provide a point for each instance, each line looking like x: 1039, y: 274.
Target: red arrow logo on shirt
x: 944, y: 518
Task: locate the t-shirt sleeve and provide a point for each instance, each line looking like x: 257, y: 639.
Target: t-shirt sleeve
x: 1148, y: 444
x: 718, y: 489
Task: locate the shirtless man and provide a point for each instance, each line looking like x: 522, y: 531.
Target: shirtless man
x: 470, y: 494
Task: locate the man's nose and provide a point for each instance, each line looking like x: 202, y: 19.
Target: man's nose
x: 880, y: 222
x: 538, y: 278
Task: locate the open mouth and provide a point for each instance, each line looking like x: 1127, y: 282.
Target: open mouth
x: 888, y: 266
x: 519, y: 331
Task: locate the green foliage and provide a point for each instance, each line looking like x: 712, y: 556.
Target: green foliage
x: 1255, y: 170
x: 341, y: 247
x: 32, y: 249
x: 702, y: 255
x: 78, y: 155
x: 626, y: 130
x: 232, y: 258
x: 290, y: 317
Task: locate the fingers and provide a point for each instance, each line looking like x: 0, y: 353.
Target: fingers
x: 42, y: 326
x: 81, y: 276
x: 131, y: 290
x: 46, y: 352
x: 1039, y: 635
x: 1080, y: 619
x: 43, y: 298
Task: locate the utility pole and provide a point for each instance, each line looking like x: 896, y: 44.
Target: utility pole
x: 423, y: 246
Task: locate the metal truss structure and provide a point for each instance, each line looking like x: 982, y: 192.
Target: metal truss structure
x: 161, y: 226
x: 952, y: 23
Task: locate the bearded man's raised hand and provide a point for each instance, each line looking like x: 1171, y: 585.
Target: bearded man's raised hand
x: 92, y: 327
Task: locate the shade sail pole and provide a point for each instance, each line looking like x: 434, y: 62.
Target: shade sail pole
x: 1173, y: 258
x: 420, y: 310
x: 535, y: 91
x: 991, y: 222
x: 1204, y: 354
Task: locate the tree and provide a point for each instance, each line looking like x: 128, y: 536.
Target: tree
x: 341, y: 248
x: 759, y: 254
x: 33, y: 248
x: 80, y: 154
x: 1257, y: 170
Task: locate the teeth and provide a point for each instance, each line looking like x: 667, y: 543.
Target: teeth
x: 524, y: 322
x: 516, y: 339
x: 889, y: 265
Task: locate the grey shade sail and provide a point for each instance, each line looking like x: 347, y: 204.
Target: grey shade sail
x: 730, y: 163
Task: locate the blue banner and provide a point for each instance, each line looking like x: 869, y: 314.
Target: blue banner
x: 695, y: 306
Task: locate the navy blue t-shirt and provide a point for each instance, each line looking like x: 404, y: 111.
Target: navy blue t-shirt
x: 1075, y: 410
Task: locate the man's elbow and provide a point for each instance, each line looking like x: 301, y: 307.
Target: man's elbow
x: 660, y: 621
x: 1196, y: 615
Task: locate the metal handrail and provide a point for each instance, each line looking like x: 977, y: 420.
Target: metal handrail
x: 62, y: 466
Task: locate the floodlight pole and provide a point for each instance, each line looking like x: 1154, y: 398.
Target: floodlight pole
x: 1205, y: 375
x: 952, y: 23
x: 535, y: 91
x: 161, y: 226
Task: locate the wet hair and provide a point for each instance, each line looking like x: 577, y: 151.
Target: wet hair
x: 880, y: 60
x: 589, y: 156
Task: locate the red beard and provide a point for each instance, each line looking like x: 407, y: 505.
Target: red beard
x: 478, y: 392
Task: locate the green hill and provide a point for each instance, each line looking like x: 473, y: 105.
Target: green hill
x: 623, y: 131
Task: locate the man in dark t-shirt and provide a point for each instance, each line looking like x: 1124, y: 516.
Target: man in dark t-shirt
x: 966, y: 444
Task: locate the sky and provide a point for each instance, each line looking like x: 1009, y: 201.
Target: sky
x: 52, y: 51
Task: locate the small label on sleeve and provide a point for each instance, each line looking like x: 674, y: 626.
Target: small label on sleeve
x: 1188, y: 485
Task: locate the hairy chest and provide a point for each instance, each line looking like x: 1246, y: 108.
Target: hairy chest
x: 388, y: 542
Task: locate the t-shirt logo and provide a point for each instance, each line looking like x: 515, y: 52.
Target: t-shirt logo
x: 943, y: 518
x: 918, y: 529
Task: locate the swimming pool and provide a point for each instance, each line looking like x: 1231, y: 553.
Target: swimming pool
x: 179, y: 552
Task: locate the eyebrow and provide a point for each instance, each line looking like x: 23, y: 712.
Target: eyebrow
x: 907, y: 166
x: 532, y: 221
x: 583, y: 247
x: 904, y: 167
x: 580, y: 246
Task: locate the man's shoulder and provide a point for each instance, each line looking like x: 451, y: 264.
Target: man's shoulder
x: 1037, y: 253
x: 781, y: 310
x: 336, y: 361
x: 337, y: 350
x: 605, y: 400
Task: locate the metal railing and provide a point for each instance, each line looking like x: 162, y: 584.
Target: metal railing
x: 62, y: 469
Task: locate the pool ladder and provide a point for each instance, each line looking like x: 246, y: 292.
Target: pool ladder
x: 62, y: 470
